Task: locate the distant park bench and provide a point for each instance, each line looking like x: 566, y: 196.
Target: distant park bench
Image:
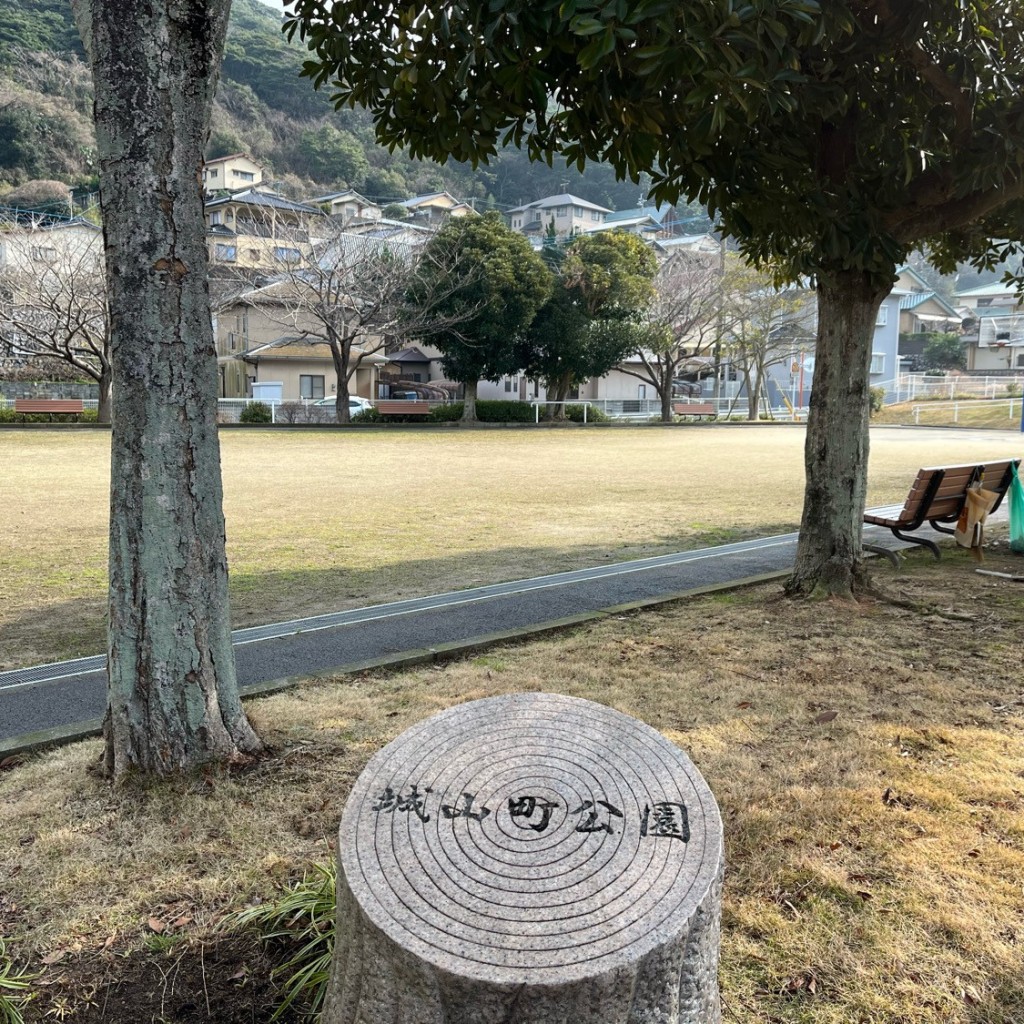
x: 49, y: 406
x: 402, y: 407
x: 697, y: 409
x: 937, y: 497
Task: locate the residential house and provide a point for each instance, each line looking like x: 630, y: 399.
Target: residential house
x: 993, y: 327
x: 702, y: 243
x: 305, y: 369
x: 233, y: 173
x: 395, y: 232
x: 349, y: 208
x: 50, y: 273
x: 50, y: 243
x: 923, y: 311
x: 259, y: 230
x: 433, y: 209
x: 567, y: 214
x: 649, y: 222
x: 259, y: 336
x: 795, y: 377
x: 413, y: 365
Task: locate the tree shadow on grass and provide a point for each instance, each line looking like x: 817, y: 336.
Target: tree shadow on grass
x: 76, y: 628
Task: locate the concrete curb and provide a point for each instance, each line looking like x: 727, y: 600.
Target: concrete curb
x: 32, y: 742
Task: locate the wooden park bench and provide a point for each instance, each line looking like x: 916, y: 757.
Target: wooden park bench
x: 937, y: 497
x: 403, y: 407
x: 49, y: 406
x: 697, y: 409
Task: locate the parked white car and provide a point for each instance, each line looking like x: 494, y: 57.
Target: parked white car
x: 355, y: 403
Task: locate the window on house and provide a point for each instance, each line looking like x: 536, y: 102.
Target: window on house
x: 311, y: 385
x: 508, y: 385
x: 877, y: 362
x: 883, y: 316
x: 244, y: 175
x: 213, y: 173
x: 595, y: 216
x: 641, y: 392
x: 43, y: 252
x: 284, y: 255
x: 561, y: 211
x: 216, y: 218
x: 224, y: 253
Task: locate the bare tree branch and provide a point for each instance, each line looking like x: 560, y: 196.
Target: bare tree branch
x: 55, y: 292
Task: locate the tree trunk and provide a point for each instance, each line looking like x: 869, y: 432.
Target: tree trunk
x: 339, y: 356
x: 828, y: 558
x: 469, y: 401
x: 172, y: 694
x: 665, y: 394
x: 753, y: 395
x: 105, y: 382
x: 759, y: 392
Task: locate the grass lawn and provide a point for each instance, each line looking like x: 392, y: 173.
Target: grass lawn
x: 874, y: 861
x: 940, y: 414
x: 323, y: 520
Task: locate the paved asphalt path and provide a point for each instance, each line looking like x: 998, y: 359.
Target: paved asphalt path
x: 64, y: 694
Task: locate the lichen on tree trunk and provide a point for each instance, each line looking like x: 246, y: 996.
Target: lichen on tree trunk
x: 829, y: 555
x: 172, y: 694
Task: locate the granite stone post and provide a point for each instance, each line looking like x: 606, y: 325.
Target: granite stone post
x: 528, y: 859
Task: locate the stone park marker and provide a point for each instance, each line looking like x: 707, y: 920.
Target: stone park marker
x: 528, y: 859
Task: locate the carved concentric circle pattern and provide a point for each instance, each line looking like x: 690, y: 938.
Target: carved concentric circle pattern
x: 532, y: 836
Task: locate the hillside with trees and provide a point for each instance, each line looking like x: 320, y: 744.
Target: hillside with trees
x: 263, y: 108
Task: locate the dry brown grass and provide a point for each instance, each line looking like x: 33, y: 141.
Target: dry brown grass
x: 319, y: 521
x: 972, y: 413
x: 874, y: 863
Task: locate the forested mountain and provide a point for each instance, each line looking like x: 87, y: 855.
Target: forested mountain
x: 263, y: 108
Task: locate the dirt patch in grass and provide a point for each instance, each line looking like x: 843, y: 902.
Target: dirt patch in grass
x: 875, y: 857
x: 325, y: 520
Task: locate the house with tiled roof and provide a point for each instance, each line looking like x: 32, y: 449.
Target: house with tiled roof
x: 258, y: 230
x: 349, y: 207
x: 434, y: 208
x: 234, y: 172
x: 263, y: 335
x: 565, y: 214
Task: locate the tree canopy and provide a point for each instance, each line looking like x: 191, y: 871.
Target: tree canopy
x: 603, y: 285
x: 828, y: 138
x: 817, y: 132
x: 497, y: 285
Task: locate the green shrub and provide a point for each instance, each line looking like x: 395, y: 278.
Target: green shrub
x: 877, y: 399
x: 594, y: 414
x: 371, y: 415
x: 256, y: 412
x: 90, y: 416
x: 7, y: 415
x: 1013, y: 389
x: 487, y: 411
x: 446, y: 413
x: 491, y: 411
x: 304, y: 915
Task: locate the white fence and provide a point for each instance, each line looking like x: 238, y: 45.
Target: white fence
x: 1013, y: 406
x: 913, y: 386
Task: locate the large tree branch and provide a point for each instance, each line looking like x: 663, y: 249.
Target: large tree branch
x: 943, y: 84
x: 954, y: 213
